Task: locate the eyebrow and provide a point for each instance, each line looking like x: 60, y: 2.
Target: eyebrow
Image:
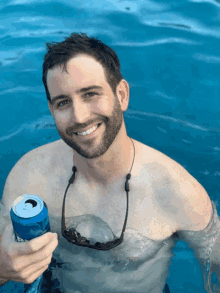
x: 82, y: 90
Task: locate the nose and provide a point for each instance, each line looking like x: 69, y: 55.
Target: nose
x: 80, y: 111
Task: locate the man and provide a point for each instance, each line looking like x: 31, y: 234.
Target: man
x: 87, y: 96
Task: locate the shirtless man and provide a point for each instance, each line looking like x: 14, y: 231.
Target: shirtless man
x: 87, y: 98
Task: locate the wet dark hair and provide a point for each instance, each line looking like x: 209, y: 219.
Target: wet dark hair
x: 60, y: 53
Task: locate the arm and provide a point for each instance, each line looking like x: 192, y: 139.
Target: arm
x: 20, y: 269
x: 206, y: 246
x: 5, y: 211
x: 14, y: 187
x: 4, y: 221
x: 198, y: 224
x: 4, y: 218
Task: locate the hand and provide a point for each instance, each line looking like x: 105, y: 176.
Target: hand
x: 24, y: 262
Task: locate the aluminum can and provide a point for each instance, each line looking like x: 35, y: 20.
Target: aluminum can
x: 29, y: 215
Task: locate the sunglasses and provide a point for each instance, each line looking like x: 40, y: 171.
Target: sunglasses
x: 74, y: 237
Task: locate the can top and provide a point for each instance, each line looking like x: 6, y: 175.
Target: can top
x: 27, y: 205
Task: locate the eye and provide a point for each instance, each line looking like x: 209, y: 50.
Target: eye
x: 90, y: 94
x: 61, y: 104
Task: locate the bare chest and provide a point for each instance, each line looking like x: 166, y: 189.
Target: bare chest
x: 109, y: 205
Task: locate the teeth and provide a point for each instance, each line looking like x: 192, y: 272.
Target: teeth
x: 88, y: 131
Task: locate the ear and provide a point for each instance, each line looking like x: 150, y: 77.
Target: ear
x: 123, y: 93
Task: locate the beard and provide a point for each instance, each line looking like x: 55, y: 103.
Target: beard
x: 112, y: 127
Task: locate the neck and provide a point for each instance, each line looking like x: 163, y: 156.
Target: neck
x: 114, y: 165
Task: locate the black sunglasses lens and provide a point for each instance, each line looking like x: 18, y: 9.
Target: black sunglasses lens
x: 70, y: 235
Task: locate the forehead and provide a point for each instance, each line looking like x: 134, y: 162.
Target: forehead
x: 82, y: 71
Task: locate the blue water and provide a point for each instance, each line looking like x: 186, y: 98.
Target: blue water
x: 169, y: 52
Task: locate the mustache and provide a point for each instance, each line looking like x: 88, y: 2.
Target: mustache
x: 72, y: 129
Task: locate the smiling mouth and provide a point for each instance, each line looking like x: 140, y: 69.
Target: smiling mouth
x: 92, y: 129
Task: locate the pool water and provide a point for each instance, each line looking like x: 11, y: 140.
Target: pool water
x: 169, y: 53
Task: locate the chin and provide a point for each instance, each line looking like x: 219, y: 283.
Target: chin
x: 112, y: 130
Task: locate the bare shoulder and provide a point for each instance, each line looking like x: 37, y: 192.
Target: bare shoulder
x: 31, y: 171
x: 182, y: 198
x: 194, y: 207
x: 152, y: 160
x: 39, y: 158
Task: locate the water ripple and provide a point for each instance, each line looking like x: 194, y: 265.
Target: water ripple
x: 214, y: 2
x: 35, y: 33
x: 177, y: 25
x: 45, y: 122
x: 38, y: 89
x: 28, y: 19
x: 207, y: 58
x: 9, y: 57
x: 168, y: 118
x: 9, y: 136
x: 162, y: 95
x: 156, y: 42
x: 176, y: 21
x: 215, y: 148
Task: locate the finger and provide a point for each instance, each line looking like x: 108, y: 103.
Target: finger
x: 21, y: 248
x: 44, y: 252
x: 20, y: 273
x: 32, y: 269
x: 36, y: 258
x: 34, y: 276
x: 34, y: 245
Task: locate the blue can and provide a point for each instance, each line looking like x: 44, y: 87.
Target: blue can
x: 29, y: 215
